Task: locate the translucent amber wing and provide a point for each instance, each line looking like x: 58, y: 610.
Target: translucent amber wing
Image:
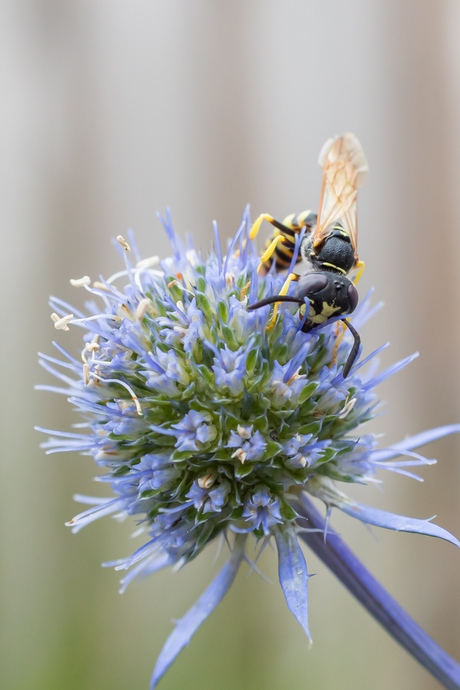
x: 345, y: 170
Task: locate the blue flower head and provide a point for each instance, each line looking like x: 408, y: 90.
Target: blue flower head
x: 209, y: 423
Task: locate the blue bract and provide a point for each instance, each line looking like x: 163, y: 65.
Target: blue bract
x: 209, y: 424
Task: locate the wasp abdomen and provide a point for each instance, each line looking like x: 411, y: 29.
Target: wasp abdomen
x: 291, y: 226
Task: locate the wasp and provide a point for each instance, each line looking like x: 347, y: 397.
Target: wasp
x: 329, y: 244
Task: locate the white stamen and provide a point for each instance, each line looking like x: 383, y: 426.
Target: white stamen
x: 302, y: 461
x: 142, y: 308
x: 240, y: 454
x: 98, y: 316
x: 134, y: 397
x: 295, y: 376
x: 138, y: 405
x: 86, y: 374
x: 106, y: 455
x: 230, y: 280
x: 347, y: 408
x: 148, y: 263
x: 61, y: 323
x: 244, y: 431
x: 123, y: 243
x: 78, y: 282
x: 124, y: 312
x: 191, y: 257
x: 125, y: 405
x: 100, y: 286
x: 92, y: 346
x: 207, y: 480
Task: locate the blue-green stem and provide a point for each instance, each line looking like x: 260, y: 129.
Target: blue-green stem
x: 370, y: 593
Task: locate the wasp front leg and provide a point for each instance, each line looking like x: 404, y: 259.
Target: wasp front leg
x: 354, y: 350
x: 272, y: 247
x: 266, y: 216
x: 258, y: 222
x: 339, y: 332
x: 282, y: 293
x: 270, y: 250
x: 360, y: 266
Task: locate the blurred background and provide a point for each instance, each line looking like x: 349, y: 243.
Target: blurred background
x: 111, y: 110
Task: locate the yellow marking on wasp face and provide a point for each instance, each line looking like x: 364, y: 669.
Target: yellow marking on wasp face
x: 327, y: 310
x: 318, y: 318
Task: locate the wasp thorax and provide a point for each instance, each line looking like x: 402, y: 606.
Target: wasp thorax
x: 335, y: 252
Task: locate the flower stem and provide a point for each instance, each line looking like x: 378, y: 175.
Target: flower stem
x: 370, y: 593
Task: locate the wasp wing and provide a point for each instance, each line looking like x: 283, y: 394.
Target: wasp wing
x: 345, y: 170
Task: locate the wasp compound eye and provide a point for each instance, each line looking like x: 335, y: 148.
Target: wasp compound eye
x: 353, y: 297
x: 311, y: 283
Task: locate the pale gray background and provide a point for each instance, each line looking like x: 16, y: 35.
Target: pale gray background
x: 110, y: 111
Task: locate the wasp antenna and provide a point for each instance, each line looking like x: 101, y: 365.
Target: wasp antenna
x: 275, y: 298
x: 354, y: 350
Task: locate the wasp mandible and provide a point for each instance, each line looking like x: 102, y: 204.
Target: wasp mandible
x: 329, y: 245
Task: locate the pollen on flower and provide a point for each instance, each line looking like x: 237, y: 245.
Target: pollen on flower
x: 206, y: 481
x: 86, y: 373
x: 144, y: 264
x: 190, y: 255
x: 97, y: 285
x: 92, y: 346
x: 240, y: 455
x: 294, y: 376
x: 61, y: 323
x: 142, y: 308
x: 137, y: 404
x: 124, y: 312
x: 244, y: 432
x: 80, y: 282
x: 123, y: 243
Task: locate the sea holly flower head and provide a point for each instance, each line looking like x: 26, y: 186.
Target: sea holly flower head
x: 209, y: 423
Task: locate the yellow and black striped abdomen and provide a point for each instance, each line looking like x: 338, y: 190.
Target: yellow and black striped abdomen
x: 292, y: 226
